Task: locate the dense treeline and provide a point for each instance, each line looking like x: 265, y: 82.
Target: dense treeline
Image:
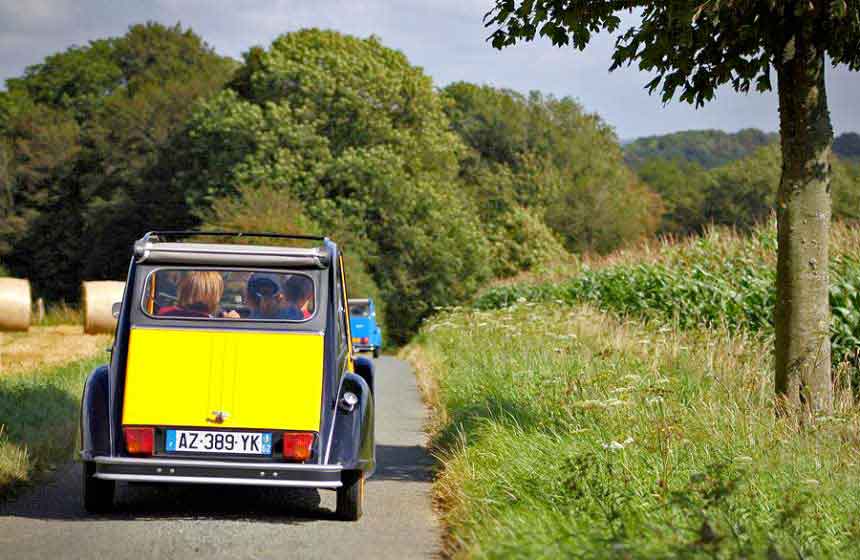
x: 741, y: 193
x: 714, y: 148
x: 550, y: 160
x: 432, y: 193
x: 86, y: 159
x: 707, y: 148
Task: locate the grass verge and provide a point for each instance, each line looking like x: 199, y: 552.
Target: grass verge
x: 39, y: 413
x: 566, y: 432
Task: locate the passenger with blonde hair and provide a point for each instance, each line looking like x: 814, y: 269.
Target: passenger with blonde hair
x: 198, y: 295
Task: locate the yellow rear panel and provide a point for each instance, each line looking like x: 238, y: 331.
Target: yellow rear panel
x: 178, y: 377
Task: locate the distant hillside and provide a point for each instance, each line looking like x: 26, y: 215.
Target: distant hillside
x: 847, y: 146
x: 714, y: 148
x: 708, y: 148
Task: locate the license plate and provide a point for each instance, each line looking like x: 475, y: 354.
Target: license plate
x: 199, y: 441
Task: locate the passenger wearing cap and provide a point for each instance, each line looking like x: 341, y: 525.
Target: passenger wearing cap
x: 265, y: 297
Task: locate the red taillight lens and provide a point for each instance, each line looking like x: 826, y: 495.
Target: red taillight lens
x: 297, y: 445
x: 139, y: 441
x: 365, y: 340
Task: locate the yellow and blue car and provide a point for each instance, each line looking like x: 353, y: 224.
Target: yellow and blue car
x: 231, y: 364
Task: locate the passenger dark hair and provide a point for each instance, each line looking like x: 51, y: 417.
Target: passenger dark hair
x: 295, y: 288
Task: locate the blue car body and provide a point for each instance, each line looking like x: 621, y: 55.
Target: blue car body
x: 366, y: 334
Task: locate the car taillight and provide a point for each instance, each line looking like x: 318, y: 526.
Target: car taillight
x: 297, y: 445
x: 365, y: 340
x: 139, y: 441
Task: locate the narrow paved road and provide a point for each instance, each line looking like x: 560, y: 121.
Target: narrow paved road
x: 241, y: 522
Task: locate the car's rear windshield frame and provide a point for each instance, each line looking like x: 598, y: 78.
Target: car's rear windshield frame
x: 142, y: 299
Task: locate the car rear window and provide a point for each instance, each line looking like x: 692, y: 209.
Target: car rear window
x: 359, y: 308
x: 256, y: 295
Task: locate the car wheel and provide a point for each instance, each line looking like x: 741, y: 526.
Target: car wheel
x: 97, y: 494
x: 350, y: 497
x: 376, y: 351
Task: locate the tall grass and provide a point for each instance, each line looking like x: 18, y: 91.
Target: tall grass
x: 60, y: 314
x: 721, y: 278
x: 39, y: 413
x: 567, y: 432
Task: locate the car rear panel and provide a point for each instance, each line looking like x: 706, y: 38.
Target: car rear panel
x: 258, y: 380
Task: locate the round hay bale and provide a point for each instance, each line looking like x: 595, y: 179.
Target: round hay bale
x: 98, y: 300
x: 15, y: 304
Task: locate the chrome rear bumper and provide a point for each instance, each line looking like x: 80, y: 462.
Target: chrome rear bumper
x: 188, y: 471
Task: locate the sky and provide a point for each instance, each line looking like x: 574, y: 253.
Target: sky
x: 445, y: 37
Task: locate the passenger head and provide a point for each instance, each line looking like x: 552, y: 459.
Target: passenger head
x: 296, y: 290
x: 263, y: 290
x: 200, y: 290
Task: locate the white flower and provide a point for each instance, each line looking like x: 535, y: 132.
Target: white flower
x: 613, y: 446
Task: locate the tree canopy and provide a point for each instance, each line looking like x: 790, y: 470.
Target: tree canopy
x: 692, y: 47
x: 707, y: 148
x: 84, y: 146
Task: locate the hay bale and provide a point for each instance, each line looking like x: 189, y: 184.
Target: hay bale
x: 14, y: 304
x: 98, y: 300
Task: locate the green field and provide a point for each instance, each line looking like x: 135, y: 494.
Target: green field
x: 566, y: 432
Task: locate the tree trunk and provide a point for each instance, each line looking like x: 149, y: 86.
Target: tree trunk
x: 802, y: 314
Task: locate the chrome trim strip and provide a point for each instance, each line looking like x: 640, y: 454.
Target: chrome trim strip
x: 217, y: 480
x: 333, y: 419
x: 159, y: 461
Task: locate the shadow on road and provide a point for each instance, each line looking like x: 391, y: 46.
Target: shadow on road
x: 403, y: 462
x: 59, y: 498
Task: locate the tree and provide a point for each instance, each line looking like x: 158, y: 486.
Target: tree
x: 558, y: 162
x: 357, y: 136
x: 682, y: 186
x: 694, y: 47
x: 86, y: 151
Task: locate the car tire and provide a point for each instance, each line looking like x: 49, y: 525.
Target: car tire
x: 350, y: 496
x: 376, y: 351
x: 98, y: 494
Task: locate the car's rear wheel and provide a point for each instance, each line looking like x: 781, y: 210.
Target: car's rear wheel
x: 97, y: 494
x: 376, y: 351
x: 350, y: 496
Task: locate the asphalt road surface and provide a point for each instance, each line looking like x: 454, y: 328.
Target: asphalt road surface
x: 243, y: 522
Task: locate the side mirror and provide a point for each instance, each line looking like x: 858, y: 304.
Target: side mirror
x: 115, y: 309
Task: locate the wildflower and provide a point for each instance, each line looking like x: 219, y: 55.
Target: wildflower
x: 613, y: 446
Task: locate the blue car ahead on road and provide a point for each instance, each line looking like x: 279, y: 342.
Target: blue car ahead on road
x: 366, y: 336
